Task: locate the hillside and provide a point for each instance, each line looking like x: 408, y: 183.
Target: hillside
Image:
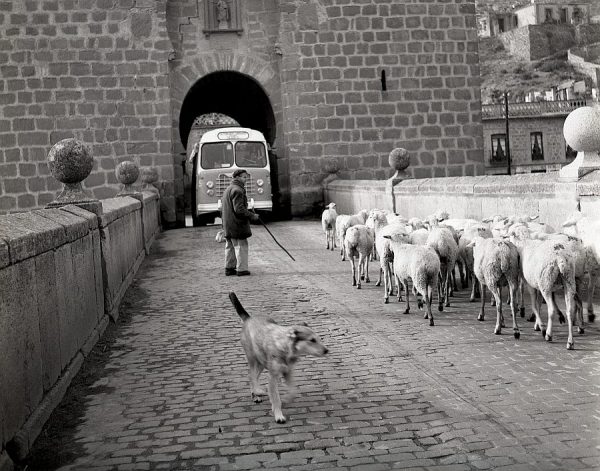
x: 500, y: 71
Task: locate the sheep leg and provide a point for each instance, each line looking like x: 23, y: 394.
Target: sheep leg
x: 447, y: 285
x: 399, y: 290
x: 407, y: 309
x: 590, y: 293
x: 535, y: 301
x: 359, y: 276
x: 561, y: 316
x: 429, y: 302
x: 327, y: 238
x: 386, y: 285
x: 536, y: 305
x: 366, y: 262
x: 522, y: 297
x: 464, y: 282
x: 440, y: 295
x: 481, y: 316
x: 570, y: 300
x: 378, y: 282
x: 512, y: 292
x: 474, y: 282
x: 497, y: 295
x: 353, y: 270
x: 552, y: 308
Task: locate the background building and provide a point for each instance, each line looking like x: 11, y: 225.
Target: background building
x: 535, y: 136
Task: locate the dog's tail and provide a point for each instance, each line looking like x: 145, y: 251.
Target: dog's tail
x: 238, y: 306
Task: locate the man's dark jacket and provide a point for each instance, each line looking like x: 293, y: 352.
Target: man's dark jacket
x: 236, y: 216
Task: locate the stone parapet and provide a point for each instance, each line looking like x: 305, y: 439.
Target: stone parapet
x: 63, y: 272
x: 544, y: 195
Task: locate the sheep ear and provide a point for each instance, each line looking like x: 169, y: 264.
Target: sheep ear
x: 473, y: 243
x: 487, y: 220
x: 387, y: 237
x: 569, y: 222
x: 533, y: 218
x: 293, y: 334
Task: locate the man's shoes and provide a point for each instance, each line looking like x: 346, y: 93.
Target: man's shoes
x: 243, y: 273
x: 230, y: 271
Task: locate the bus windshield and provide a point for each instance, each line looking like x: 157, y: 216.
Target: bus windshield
x: 217, y: 155
x: 250, y: 154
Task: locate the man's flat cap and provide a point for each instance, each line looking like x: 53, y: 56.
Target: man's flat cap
x: 239, y: 172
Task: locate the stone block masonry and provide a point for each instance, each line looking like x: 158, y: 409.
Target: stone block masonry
x: 93, y: 70
x: 337, y: 53
x: 63, y: 273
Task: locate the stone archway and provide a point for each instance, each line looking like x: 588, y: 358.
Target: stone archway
x: 196, y: 85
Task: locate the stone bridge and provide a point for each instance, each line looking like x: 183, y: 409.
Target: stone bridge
x: 166, y: 386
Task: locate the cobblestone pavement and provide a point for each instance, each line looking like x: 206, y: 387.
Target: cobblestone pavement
x: 167, y: 387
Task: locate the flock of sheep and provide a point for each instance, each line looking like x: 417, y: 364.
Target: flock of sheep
x: 514, y: 252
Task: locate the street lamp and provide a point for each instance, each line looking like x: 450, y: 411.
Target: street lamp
x: 507, y: 132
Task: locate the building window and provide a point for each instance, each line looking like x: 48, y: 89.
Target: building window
x: 539, y: 170
x: 498, y: 148
x: 548, y: 15
x: 563, y: 15
x: 537, y: 146
x: 570, y: 153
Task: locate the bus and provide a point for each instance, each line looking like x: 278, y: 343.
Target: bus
x: 211, y: 163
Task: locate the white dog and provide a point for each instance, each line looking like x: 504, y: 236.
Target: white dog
x: 276, y: 348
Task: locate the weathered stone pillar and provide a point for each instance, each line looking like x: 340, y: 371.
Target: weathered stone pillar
x: 70, y: 162
x: 127, y: 173
x: 399, y: 160
x: 582, y: 133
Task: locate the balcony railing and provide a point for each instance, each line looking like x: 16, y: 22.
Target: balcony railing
x: 531, y: 110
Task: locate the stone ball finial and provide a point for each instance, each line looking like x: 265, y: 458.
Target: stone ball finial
x: 127, y: 172
x: 70, y: 161
x: 331, y: 166
x: 399, y: 159
x: 582, y: 129
x: 149, y: 178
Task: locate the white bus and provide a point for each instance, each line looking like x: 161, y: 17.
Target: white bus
x: 212, y: 161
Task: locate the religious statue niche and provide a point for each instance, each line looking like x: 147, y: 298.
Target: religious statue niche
x: 222, y: 16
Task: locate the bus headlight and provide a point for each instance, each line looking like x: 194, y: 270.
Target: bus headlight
x: 209, y: 184
x: 260, y: 191
x: 210, y: 192
x: 259, y: 182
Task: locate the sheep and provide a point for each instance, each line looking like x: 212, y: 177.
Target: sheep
x: 545, y: 265
x: 386, y: 256
x: 343, y: 222
x: 376, y: 220
x: 358, y: 242
x: 587, y: 229
x: 496, y: 263
x: 465, y: 251
x: 328, y: 219
x: 441, y: 240
x: 419, y: 236
x: 419, y: 264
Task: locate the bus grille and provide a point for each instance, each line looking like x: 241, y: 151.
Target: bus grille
x: 223, y: 182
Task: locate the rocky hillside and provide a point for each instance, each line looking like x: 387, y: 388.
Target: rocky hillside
x: 500, y: 71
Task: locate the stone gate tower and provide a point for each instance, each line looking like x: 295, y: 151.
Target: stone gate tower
x: 334, y: 85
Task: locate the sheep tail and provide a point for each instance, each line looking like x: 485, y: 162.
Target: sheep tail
x: 238, y: 306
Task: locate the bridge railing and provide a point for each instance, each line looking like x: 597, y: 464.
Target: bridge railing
x: 542, y: 108
x: 63, y: 273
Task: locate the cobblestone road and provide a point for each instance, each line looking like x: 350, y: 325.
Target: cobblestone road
x: 167, y: 387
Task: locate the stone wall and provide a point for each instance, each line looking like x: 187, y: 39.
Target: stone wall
x: 533, y: 42
x: 540, y: 195
x: 95, y: 70
x: 335, y: 111
x: 587, y: 66
x: 63, y: 272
